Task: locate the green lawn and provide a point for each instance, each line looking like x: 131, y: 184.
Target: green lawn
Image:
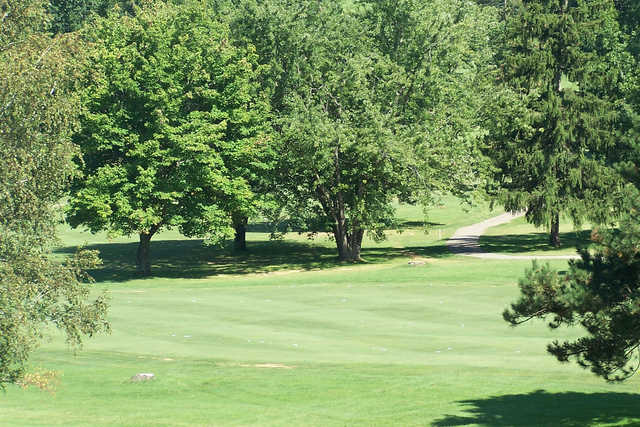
x: 287, y: 336
x: 517, y: 237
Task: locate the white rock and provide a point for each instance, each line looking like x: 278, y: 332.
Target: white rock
x: 143, y: 377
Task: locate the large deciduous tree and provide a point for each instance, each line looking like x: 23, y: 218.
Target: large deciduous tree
x: 373, y: 102
x: 563, y: 62
x: 38, y: 112
x: 173, y: 123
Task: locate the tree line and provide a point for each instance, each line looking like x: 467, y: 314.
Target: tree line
x: 201, y: 114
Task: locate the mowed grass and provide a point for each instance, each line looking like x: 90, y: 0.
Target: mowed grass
x: 314, y: 342
x: 177, y: 257
x: 517, y: 237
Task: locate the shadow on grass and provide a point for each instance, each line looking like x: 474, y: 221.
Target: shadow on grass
x: 191, y: 259
x: 541, y: 408
x: 517, y: 243
x: 265, y: 227
x: 419, y: 224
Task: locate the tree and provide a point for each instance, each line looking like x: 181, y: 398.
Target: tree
x: 38, y: 112
x: 372, y: 103
x: 553, y: 136
x: 70, y: 15
x: 173, y: 122
x: 627, y: 155
x: 629, y: 18
x: 600, y: 293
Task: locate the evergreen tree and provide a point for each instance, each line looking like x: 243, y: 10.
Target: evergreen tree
x: 628, y: 154
x: 600, y: 293
x: 629, y: 18
x: 551, y: 146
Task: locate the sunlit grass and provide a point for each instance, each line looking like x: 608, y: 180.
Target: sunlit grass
x: 285, y: 335
x: 520, y: 238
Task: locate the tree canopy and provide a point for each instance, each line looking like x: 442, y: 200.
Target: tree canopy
x: 564, y: 65
x: 372, y: 102
x: 174, y: 126
x: 71, y: 15
x: 38, y: 113
x: 595, y: 118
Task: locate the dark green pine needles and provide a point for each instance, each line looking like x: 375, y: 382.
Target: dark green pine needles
x: 561, y: 66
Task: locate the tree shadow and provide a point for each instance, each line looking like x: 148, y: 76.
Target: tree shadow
x: 269, y: 227
x: 418, y: 224
x: 517, y: 243
x: 189, y: 258
x: 260, y: 227
x: 541, y: 408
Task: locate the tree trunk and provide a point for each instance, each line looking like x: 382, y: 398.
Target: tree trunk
x: 349, y: 244
x: 143, y: 259
x: 554, y: 235
x: 341, y: 242
x: 240, y: 239
x: 356, y: 244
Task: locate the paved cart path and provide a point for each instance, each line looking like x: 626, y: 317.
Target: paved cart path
x: 465, y: 241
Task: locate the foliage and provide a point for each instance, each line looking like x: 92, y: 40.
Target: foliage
x: 629, y: 18
x: 600, y: 293
x: 561, y: 99
x: 44, y: 380
x: 38, y: 112
x: 373, y: 102
x: 70, y: 15
x: 174, y: 126
x: 627, y: 155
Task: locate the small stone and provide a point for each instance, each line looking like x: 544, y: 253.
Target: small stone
x: 142, y: 377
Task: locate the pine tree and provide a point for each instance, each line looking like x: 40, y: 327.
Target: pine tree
x: 600, y: 294
x: 551, y: 147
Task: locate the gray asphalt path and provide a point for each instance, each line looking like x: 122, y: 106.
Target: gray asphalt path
x: 465, y: 240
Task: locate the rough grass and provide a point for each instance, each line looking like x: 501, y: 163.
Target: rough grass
x: 298, y: 339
